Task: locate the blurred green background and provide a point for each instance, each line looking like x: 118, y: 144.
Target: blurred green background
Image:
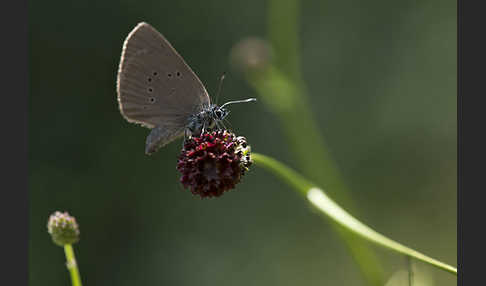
x: 381, y: 76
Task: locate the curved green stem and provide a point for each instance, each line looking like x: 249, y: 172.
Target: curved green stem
x: 287, y: 99
x: 328, y: 207
x: 72, y: 265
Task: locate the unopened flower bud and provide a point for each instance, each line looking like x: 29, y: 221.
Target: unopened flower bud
x: 63, y: 228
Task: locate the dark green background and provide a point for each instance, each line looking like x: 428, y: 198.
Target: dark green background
x: 382, y: 80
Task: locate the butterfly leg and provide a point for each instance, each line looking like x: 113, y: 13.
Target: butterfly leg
x: 230, y: 128
x: 220, y: 124
x: 187, y: 135
x: 203, y: 129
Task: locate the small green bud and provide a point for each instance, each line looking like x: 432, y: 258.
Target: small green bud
x: 63, y: 228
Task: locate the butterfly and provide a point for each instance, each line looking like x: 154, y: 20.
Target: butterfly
x: 158, y: 90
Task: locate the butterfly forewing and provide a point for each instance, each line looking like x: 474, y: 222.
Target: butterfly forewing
x: 155, y: 86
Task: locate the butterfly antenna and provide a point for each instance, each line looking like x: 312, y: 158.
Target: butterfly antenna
x: 220, y: 86
x: 239, y: 101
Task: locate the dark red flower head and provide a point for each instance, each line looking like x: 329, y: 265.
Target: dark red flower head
x: 213, y: 163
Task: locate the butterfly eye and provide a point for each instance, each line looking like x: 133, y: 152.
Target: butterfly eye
x: 218, y: 113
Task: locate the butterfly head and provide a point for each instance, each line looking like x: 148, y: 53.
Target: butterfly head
x: 219, y: 113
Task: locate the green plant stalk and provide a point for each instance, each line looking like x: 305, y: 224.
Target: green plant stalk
x: 72, y: 265
x: 318, y: 198
x: 283, y: 80
x: 281, y: 87
x: 282, y: 24
x: 286, y: 100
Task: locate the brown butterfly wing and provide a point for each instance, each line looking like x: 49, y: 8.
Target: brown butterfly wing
x: 155, y: 86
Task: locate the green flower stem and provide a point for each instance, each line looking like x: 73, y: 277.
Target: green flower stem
x: 328, y: 207
x: 72, y: 265
x: 289, y: 103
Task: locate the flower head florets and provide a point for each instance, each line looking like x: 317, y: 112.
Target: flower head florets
x: 213, y: 163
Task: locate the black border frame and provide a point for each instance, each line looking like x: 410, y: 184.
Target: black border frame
x: 14, y: 210
x: 470, y: 147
